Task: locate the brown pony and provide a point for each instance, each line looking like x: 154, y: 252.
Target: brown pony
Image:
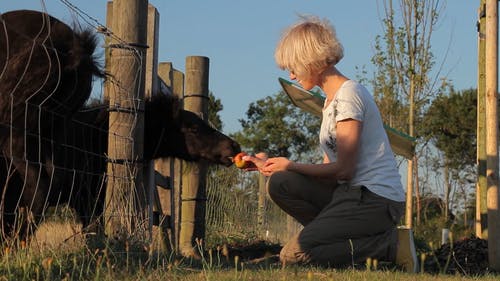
x: 75, y: 157
x: 53, y: 147
x: 46, y: 71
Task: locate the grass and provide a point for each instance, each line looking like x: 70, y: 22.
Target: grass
x: 316, y: 274
x: 66, y: 254
x: 71, y: 259
x: 99, y: 265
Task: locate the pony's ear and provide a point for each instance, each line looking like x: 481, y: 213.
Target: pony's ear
x: 166, y: 106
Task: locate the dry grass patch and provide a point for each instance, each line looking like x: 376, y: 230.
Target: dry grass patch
x: 53, y: 235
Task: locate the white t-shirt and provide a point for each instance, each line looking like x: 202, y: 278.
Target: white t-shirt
x: 376, y: 166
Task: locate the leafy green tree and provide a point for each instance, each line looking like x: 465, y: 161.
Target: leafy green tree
x: 275, y: 126
x: 450, y: 124
x: 214, y: 106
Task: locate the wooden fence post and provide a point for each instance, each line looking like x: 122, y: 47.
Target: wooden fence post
x: 171, y: 199
x: 159, y: 239
x: 192, y: 226
x: 261, y: 209
x: 492, y: 133
x: 481, y: 225
x: 177, y: 168
x: 107, y: 50
x: 162, y: 169
x: 151, y: 83
x: 125, y: 191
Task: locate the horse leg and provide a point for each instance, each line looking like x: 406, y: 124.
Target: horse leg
x: 6, y: 208
x: 33, y: 197
x: 30, y: 193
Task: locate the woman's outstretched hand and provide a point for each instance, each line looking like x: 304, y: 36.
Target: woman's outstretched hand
x: 274, y: 165
x: 267, y: 166
x: 258, y: 160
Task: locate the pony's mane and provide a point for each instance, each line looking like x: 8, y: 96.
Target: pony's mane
x: 168, y: 106
x: 163, y: 101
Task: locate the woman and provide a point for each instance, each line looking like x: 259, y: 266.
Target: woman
x: 351, y: 203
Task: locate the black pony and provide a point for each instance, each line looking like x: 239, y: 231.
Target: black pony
x: 53, y: 148
x: 46, y: 73
x: 45, y: 66
x: 75, y: 157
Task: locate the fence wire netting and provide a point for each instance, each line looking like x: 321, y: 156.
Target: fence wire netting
x: 54, y: 122
x: 238, y: 209
x: 55, y: 163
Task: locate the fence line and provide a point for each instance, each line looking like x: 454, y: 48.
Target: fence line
x: 233, y: 209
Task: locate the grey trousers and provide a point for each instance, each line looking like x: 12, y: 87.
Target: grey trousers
x: 342, y: 224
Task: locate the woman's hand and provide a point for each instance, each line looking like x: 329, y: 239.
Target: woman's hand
x: 267, y: 166
x: 258, y: 160
x: 274, y: 165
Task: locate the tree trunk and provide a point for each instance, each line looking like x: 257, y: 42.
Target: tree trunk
x: 411, y: 126
x: 417, y: 192
x: 446, y: 190
x: 411, y: 120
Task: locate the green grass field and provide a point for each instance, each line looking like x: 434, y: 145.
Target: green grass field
x: 103, y: 265
x: 60, y: 251
x: 74, y: 259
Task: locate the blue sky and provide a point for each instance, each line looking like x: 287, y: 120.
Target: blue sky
x: 239, y: 38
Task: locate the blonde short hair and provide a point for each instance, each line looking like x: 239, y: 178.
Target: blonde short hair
x: 308, y: 47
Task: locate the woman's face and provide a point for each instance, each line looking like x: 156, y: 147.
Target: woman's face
x: 306, y: 83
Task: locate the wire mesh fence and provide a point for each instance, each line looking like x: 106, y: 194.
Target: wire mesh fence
x: 238, y: 209
x: 53, y: 132
x: 54, y: 142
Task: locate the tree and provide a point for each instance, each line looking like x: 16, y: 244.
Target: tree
x: 450, y: 125
x: 403, y: 85
x: 275, y: 126
x: 214, y: 107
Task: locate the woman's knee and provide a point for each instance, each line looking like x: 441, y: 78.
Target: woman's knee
x: 277, y: 184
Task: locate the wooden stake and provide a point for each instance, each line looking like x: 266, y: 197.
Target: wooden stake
x: 481, y: 225
x: 192, y: 227
x: 125, y: 197
x: 492, y: 132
